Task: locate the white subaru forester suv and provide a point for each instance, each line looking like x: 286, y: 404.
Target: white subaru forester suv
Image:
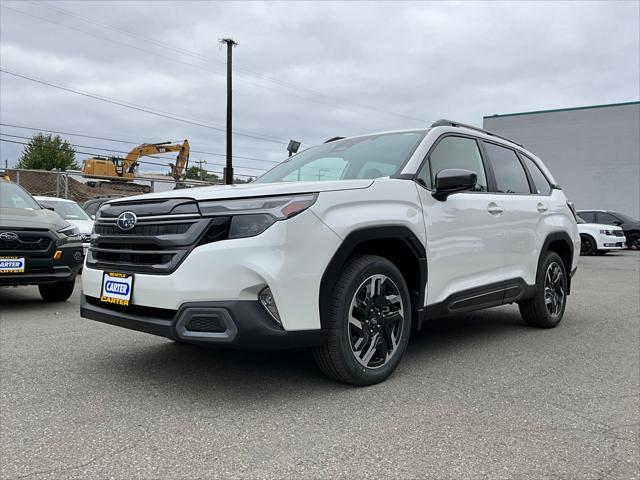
x: 344, y: 248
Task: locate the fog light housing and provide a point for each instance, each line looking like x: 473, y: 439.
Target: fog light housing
x: 269, y: 304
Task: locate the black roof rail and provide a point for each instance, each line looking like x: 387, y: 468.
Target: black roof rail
x: 448, y: 123
x: 334, y: 139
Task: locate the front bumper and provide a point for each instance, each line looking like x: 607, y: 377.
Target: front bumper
x: 289, y: 257
x: 42, y: 268
x: 239, y: 323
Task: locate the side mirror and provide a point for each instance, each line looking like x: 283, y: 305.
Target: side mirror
x: 93, y: 217
x: 617, y: 223
x: 453, y: 180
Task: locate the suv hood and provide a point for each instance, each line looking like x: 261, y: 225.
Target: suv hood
x: 215, y: 192
x: 600, y: 226
x: 25, y: 218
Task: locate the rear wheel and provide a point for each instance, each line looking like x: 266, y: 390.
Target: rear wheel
x: 546, y: 308
x: 368, y: 322
x: 633, y: 241
x: 587, y: 245
x: 57, y: 292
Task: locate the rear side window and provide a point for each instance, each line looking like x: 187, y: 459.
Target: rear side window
x: 510, y: 176
x: 539, y: 180
x: 588, y: 217
x: 454, y: 152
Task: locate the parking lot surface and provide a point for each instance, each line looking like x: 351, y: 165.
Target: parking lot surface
x: 476, y: 396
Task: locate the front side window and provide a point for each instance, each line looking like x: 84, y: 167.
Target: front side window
x: 367, y: 157
x: 510, y: 176
x: 607, y: 219
x: 539, y: 180
x: 454, y: 152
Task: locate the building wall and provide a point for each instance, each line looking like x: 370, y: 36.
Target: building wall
x: 593, y: 152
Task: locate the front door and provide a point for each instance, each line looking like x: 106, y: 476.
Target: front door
x: 465, y: 233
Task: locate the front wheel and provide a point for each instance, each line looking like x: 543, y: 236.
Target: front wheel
x: 57, y: 292
x: 546, y: 308
x: 368, y: 322
x: 587, y: 245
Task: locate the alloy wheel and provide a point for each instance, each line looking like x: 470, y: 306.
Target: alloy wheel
x: 633, y: 241
x: 376, y: 318
x: 554, y: 290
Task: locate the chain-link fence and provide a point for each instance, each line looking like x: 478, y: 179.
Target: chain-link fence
x: 72, y: 185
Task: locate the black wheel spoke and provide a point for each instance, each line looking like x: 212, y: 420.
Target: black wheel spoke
x: 376, y: 316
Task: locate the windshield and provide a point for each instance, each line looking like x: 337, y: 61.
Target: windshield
x: 625, y: 218
x: 371, y: 156
x: 67, y: 210
x: 13, y: 196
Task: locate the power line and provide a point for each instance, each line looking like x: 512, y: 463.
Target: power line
x: 209, y: 60
x: 129, y: 142
x: 132, y: 106
x: 121, y: 151
x: 138, y: 161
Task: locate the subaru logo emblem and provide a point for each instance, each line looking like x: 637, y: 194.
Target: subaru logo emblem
x: 8, y: 236
x: 127, y: 220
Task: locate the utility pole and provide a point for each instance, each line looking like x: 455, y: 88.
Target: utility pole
x: 228, y: 171
x: 200, y: 162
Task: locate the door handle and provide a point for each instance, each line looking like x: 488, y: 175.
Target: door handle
x: 494, y: 209
x: 542, y: 207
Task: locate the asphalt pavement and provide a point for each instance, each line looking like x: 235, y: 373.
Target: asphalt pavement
x: 476, y: 396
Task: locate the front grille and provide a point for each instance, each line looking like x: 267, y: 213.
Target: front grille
x: 27, y: 242
x: 160, y: 229
x: 618, y: 233
x: 158, y: 242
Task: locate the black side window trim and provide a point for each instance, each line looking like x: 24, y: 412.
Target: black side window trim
x: 534, y: 189
x: 488, y: 172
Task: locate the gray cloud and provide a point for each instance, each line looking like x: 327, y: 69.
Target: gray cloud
x: 307, y: 70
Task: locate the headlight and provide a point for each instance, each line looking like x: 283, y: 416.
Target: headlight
x: 252, y: 216
x: 606, y: 232
x: 70, y: 231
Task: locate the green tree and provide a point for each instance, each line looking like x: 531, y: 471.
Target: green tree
x: 46, y: 152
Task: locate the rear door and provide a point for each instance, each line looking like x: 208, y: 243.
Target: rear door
x: 465, y: 233
x: 524, y: 210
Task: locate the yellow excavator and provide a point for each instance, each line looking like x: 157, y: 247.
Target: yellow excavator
x: 120, y: 170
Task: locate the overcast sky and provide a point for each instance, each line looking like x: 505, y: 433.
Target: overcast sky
x: 307, y: 71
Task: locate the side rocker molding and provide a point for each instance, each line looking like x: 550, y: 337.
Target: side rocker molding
x: 360, y: 237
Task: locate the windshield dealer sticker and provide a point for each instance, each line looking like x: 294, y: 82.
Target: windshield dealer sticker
x: 11, y: 265
x: 116, y: 288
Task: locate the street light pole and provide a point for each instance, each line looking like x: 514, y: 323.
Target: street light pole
x: 228, y: 171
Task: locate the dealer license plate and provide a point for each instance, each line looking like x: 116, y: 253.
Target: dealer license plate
x: 116, y: 288
x: 11, y: 265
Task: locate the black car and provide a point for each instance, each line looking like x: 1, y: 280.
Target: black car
x: 630, y: 226
x: 37, y: 247
x: 91, y: 206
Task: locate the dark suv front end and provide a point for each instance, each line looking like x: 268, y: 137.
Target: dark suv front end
x: 37, y: 247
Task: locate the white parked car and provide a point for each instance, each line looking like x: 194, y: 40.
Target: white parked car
x: 72, y: 213
x: 599, y: 239
x: 344, y: 248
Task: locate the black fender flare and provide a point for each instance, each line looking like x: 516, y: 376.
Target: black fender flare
x: 350, y: 243
x: 566, y: 239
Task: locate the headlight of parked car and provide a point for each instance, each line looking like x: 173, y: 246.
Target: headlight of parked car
x: 70, y: 231
x: 248, y: 217
x: 606, y: 232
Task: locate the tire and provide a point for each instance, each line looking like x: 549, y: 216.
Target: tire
x: 633, y: 241
x: 57, y: 292
x: 536, y: 312
x: 360, y: 355
x: 587, y: 245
